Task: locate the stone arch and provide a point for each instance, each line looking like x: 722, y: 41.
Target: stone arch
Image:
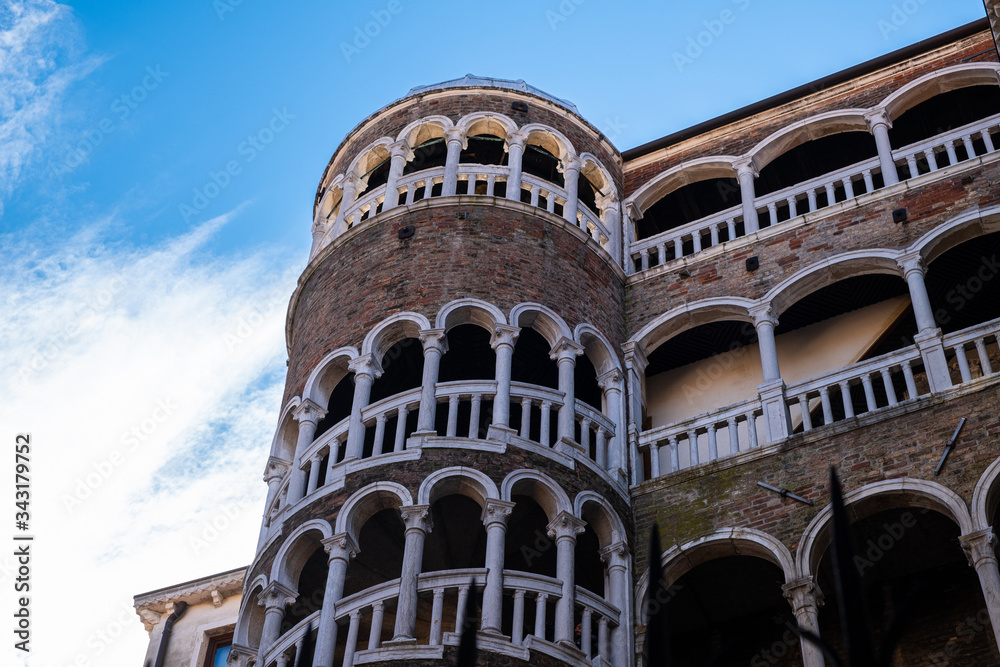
x: 808, y: 129
x: 369, y: 157
x: 690, y: 315
x: 391, y: 330
x: 679, y: 560
x: 539, y: 486
x: 542, y: 319
x: 900, y: 492
x: 550, y: 139
x: 469, y: 311
x: 424, y: 129
x: 986, y: 496
x: 940, y: 81
x: 595, y: 171
x: 458, y: 480
x: 963, y: 227
x: 286, y: 435
x: 486, y: 122
x: 596, y: 511
x: 804, y: 282
x: 296, y: 550
x: 597, y: 347
x: 250, y: 614
x: 692, y: 171
x: 368, y: 500
x: 328, y: 372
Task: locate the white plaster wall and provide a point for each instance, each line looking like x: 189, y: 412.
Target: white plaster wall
x: 189, y: 641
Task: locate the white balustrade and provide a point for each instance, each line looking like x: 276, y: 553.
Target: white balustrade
x: 976, y: 341
x: 940, y: 151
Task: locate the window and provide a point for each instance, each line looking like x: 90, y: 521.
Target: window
x: 218, y: 650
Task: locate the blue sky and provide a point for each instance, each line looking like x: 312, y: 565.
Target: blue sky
x: 145, y: 287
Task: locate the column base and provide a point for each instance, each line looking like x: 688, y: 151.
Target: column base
x: 399, y: 642
x: 500, y: 433
x: 777, y: 418
x: 567, y: 446
x: 932, y: 352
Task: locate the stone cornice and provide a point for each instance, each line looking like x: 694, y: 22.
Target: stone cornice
x: 198, y: 591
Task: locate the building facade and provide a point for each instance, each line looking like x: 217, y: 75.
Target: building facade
x: 516, y: 350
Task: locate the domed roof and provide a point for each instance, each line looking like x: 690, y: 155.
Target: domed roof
x: 473, y: 81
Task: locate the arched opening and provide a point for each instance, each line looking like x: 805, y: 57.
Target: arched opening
x: 730, y: 611
x: 427, y: 155
x: 528, y: 548
x: 458, y: 540
x: 484, y: 149
x: 813, y: 159
x: 688, y: 203
x: 310, y: 588
x: 586, y: 193
x: 590, y: 571
x: 841, y: 324
x: 338, y: 407
x: 469, y: 357
x: 943, y: 113
x: 402, y: 370
x: 380, y: 552
x: 539, y: 162
x: 253, y: 620
x: 910, y: 560
x: 700, y: 370
x: 532, y: 365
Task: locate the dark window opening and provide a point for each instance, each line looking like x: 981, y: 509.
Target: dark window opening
x: 963, y: 284
x: 815, y: 158
x: 689, y: 203
x: 402, y: 369
x: 531, y: 362
x: 585, y: 386
x: 339, y: 406
x: 469, y: 355
x: 586, y: 193
x: 311, y: 588
x: 698, y: 343
x: 431, y: 153
x: 589, y: 568
x: 528, y: 547
x: 375, y: 177
x: 484, y: 149
x: 944, y: 112
x: 458, y: 540
x: 380, y: 552
x: 539, y: 162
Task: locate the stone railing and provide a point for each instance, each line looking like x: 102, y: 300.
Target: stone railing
x: 962, y: 343
x: 420, y: 185
x: 290, y: 643
x: 809, y: 196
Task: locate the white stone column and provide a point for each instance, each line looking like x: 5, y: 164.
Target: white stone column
x: 399, y: 154
x: 571, y: 173
x: 366, y: 370
x: 435, y: 344
x: 564, y: 529
x: 515, y: 153
x: 417, y: 523
x: 455, y: 136
x: 565, y: 352
x: 879, y: 125
x: 494, y: 517
x: 350, y: 188
x: 635, y: 369
x: 273, y: 474
x: 308, y: 414
x: 616, y: 557
x: 980, y: 548
x: 806, y: 598
x: 611, y: 217
x: 777, y: 417
x: 503, y: 340
x: 273, y: 599
x: 610, y: 383
x: 746, y: 172
x: 342, y: 549
x: 928, y: 338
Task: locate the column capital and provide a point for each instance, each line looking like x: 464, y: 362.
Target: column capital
x: 401, y: 149
x: 633, y: 211
x: 565, y: 526
x: 565, y: 349
x: 308, y: 411
x: 910, y: 262
x: 763, y: 314
x: 275, y: 596
x: 348, y: 182
x: 516, y: 138
x: 434, y: 339
x: 610, y: 380
x: 496, y: 512
x: 417, y: 517
x: 340, y: 547
x: 615, y: 555
x: 746, y: 165
x: 877, y: 116
x: 979, y: 546
x: 504, y: 334
x: 241, y: 655
x: 635, y: 358
x: 802, y: 593
x: 366, y: 364
x: 275, y: 469
x: 570, y: 163
x: 453, y: 134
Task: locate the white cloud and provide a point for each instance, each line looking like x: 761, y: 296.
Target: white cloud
x: 150, y: 381
x: 39, y: 45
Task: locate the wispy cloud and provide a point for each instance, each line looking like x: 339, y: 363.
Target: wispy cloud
x: 40, y: 57
x: 150, y: 380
